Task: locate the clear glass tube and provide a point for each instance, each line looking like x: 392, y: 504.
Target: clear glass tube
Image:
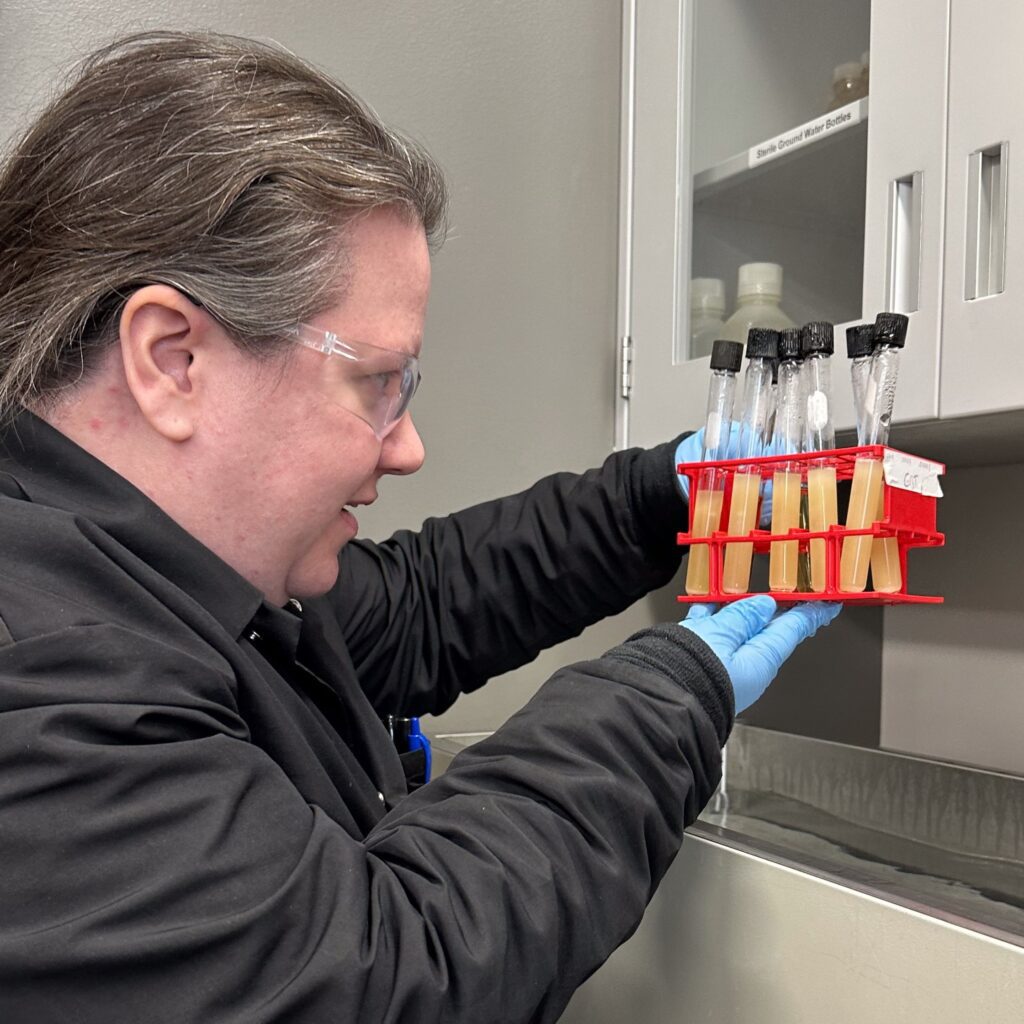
x: 821, y: 432
x: 881, y: 394
x: 746, y: 483
x: 709, y: 492
x: 787, y: 480
x: 822, y: 502
x: 867, y: 492
x: 860, y: 373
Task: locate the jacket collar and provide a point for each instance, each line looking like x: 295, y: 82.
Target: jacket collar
x: 42, y: 465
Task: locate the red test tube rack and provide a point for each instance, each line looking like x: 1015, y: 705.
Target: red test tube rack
x: 909, y: 517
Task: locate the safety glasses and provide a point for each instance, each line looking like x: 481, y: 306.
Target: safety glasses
x: 376, y: 384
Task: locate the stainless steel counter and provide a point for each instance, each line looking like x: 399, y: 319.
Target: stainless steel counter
x: 835, y: 884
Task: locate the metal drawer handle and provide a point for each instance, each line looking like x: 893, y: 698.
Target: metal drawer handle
x: 987, y: 179
x: 903, y: 252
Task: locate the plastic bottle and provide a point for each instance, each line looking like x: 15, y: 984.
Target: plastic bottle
x: 848, y: 84
x: 758, y: 292
x: 865, y: 75
x: 762, y: 350
x: 822, y: 502
x: 726, y: 359
x: 707, y: 307
x: 866, y: 493
x: 787, y: 438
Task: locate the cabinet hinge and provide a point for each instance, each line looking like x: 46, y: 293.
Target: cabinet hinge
x: 625, y: 365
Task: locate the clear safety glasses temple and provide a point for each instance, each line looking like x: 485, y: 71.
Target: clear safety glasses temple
x: 376, y: 384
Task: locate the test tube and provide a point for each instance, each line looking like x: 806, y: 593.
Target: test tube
x: 886, y: 573
x: 822, y: 503
x: 762, y: 348
x: 773, y: 397
x: 787, y: 480
x: 866, y: 492
x: 726, y: 358
x: 860, y: 341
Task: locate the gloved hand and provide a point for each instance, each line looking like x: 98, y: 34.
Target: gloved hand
x: 752, y: 642
x: 691, y: 448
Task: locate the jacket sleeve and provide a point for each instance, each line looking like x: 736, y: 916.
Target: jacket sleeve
x: 159, y: 867
x: 433, y: 614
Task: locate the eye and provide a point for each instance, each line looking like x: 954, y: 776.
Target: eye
x: 385, y: 382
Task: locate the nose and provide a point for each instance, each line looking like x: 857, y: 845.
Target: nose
x: 402, y: 451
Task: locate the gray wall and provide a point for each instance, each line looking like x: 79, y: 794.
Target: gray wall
x: 953, y: 677
x: 519, y: 101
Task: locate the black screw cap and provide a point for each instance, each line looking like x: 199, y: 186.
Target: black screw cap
x: 727, y: 355
x: 891, y: 329
x: 860, y: 340
x: 791, y: 344
x: 762, y: 343
x: 818, y: 337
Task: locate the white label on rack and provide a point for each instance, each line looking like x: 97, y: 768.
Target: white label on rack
x: 834, y: 121
x: 910, y: 473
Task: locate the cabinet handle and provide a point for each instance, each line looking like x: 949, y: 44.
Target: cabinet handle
x: 987, y: 178
x: 903, y: 251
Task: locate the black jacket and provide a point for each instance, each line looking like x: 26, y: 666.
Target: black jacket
x: 202, y: 818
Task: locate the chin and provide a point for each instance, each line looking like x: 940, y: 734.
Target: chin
x: 312, y: 580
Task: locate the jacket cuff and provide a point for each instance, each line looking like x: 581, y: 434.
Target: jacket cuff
x: 656, y: 503
x: 682, y: 656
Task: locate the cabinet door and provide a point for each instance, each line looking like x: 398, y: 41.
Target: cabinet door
x: 906, y: 187
x: 668, y: 393
x: 853, y: 212
x: 982, y: 356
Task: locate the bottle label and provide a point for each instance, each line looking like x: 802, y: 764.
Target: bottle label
x: 805, y: 134
x: 909, y: 473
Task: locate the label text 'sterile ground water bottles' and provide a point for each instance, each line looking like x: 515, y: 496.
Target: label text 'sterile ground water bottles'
x: 758, y: 294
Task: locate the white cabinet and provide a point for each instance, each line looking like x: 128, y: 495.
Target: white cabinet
x: 906, y: 190
x: 901, y: 208
x: 982, y: 354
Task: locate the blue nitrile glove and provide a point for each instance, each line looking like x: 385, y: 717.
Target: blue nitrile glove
x: 691, y: 448
x: 752, y: 642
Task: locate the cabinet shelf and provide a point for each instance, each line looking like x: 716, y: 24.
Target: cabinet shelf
x: 803, y: 209
x: 739, y: 169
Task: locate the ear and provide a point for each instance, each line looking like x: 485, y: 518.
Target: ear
x: 163, y: 345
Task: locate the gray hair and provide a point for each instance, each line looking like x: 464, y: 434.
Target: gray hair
x: 224, y: 167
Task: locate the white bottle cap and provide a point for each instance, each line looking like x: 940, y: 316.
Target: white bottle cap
x: 846, y: 72
x: 760, y: 279
x: 707, y: 294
